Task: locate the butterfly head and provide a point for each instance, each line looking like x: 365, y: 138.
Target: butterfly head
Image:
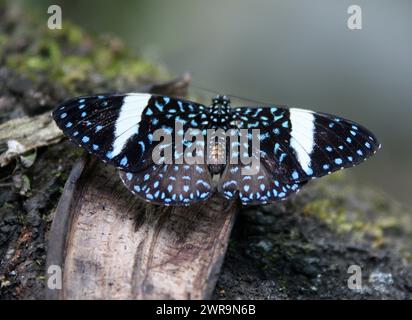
x: 221, y: 100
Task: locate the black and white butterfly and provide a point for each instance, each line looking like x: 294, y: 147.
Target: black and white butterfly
x: 296, y: 145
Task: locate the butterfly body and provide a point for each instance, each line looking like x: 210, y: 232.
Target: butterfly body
x: 295, y: 145
x: 219, y: 114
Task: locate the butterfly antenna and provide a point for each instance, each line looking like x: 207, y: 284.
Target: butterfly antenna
x: 250, y: 100
x: 215, y: 92
x: 229, y: 95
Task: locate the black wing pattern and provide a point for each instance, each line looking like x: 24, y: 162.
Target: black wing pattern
x: 119, y: 129
x: 296, y: 145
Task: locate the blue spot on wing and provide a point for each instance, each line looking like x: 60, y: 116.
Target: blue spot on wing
x: 124, y: 161
x: 171, y: 184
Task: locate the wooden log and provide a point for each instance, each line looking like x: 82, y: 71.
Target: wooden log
x: 112, y: 245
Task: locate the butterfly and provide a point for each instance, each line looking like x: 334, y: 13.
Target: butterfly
x: 295, y: 145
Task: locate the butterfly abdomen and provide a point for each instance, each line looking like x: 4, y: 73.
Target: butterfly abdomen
x: 218, y: 158
x: 217, y: 152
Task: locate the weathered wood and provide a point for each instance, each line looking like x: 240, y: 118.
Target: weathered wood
x: 118, y: 247
x: 26, y: 134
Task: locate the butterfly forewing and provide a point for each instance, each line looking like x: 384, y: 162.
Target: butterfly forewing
x: 305, y: 144
x: 119, y: 128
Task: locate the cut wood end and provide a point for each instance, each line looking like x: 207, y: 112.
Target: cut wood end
x: 114, y: 246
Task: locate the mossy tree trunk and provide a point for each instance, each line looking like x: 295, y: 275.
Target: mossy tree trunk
x: 300, y: 248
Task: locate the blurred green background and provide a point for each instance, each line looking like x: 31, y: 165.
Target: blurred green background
x: 298, y: 53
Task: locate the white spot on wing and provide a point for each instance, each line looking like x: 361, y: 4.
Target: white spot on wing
x: 127, y: 124
x: 303, y: 129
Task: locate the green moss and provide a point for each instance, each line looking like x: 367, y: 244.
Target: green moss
x: 332, y: 215
x: 345, y: 218
x: 328, y: 212
x: 69, y: 56
x: 8, y: 206
x: 3, y: 41
x: 232, y: 244
x: 69, y: 33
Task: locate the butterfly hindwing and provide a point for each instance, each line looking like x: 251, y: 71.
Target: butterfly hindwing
x: 170, y: 184
x: 263, y: 186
